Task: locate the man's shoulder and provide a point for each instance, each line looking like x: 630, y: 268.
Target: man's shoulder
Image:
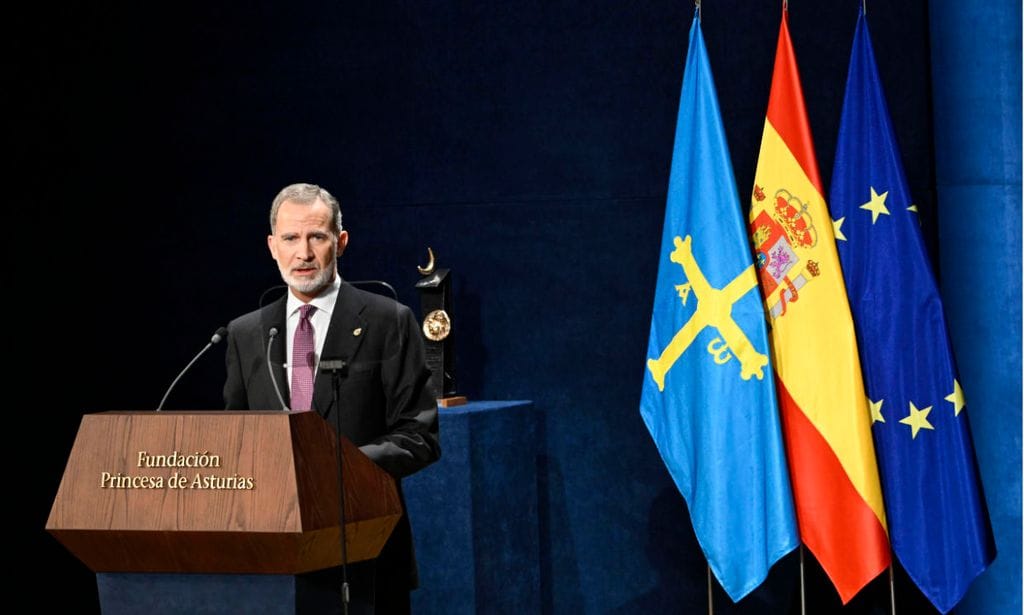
x: 370, y: 303
x: 252, y: 320
x: 245, y: 320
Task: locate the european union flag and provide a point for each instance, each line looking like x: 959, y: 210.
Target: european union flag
x: 938, y: 521
x: 708, y: 397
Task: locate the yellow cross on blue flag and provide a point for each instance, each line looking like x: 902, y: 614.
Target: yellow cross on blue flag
x: 708, y: 396
x: 938, y: 522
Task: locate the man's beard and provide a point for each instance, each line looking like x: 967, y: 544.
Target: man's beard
x: 310, y: 286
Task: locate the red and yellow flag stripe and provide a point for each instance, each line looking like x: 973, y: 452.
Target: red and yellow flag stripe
x: 825, y: 413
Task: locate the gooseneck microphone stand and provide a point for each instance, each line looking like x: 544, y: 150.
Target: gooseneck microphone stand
x: 338, y: 368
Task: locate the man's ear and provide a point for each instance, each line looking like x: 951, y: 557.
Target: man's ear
x: 342, y: 242
x: 272, y: 246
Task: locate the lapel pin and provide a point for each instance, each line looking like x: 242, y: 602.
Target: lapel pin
x: 357, y: 331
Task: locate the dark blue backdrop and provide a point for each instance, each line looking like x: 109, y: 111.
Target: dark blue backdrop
x: 527, y: 143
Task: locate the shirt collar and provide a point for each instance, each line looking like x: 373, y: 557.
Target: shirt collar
x: 324, y: 302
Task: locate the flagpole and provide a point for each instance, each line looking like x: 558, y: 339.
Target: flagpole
x: 892, y: 589
x: 711, y: 600
x: 803, y: 601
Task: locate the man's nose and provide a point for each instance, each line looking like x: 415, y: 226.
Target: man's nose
x: 304, y: 251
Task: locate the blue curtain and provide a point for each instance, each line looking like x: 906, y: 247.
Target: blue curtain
x: 976, y: 81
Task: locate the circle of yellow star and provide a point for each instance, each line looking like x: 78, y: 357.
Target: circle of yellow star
x: 876, y: 205
x: 837, y: 229
x: 917, y: 419
x: 956, y: 398
x: 876, y: 411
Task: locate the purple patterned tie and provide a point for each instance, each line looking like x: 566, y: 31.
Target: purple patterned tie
x: 303, y: 361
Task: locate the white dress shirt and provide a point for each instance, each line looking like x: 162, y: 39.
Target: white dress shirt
x: 320, y: 320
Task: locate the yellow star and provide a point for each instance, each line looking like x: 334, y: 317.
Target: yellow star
x: 917, y: 419
x: 837, y: 229
x: 913, y: 209
x: 876, y: 205
x: 956, y: 398
x: 876, y: 411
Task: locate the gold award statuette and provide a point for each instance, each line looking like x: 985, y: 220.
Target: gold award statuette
x: 436, y: 305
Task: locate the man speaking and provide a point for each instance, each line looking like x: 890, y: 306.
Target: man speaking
x: 385, y: 405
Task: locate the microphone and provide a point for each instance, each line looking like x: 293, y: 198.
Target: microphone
x: 270, y: 369
x: 220, y: 334
x: 339, y: 366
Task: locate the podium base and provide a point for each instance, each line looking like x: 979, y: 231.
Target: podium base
x: 167, y: 594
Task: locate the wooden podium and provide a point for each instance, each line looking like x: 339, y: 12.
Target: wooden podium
x: 218, y: 493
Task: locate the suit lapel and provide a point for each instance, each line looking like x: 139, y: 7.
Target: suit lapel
x: 344, y: 336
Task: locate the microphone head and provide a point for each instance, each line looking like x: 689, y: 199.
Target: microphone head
x: 272, y: 332
x: 218, y: 335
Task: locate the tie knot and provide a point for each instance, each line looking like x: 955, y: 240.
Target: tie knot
x: 306, y: 311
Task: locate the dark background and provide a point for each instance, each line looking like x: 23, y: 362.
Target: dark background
x: 527, y: 143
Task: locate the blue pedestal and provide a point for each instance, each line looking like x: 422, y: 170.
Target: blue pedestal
x: 180, y: 594
x: 474, y: 513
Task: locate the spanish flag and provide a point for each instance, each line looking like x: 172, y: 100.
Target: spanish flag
x: 825, y: 414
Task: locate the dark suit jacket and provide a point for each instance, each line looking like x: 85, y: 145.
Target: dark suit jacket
x: 386, y: 407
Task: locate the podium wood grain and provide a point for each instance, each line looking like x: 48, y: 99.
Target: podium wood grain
x: 288, y: 523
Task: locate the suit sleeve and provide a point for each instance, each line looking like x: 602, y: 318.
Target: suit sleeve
x: 412, y: 441
x: 235, y: 397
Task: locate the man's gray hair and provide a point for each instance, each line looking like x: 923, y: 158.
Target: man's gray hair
x: 305, y: 194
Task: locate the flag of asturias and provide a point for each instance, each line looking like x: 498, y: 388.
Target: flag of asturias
x: 825, y: 415
x: 938, y: 521
x: 708, y: 398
